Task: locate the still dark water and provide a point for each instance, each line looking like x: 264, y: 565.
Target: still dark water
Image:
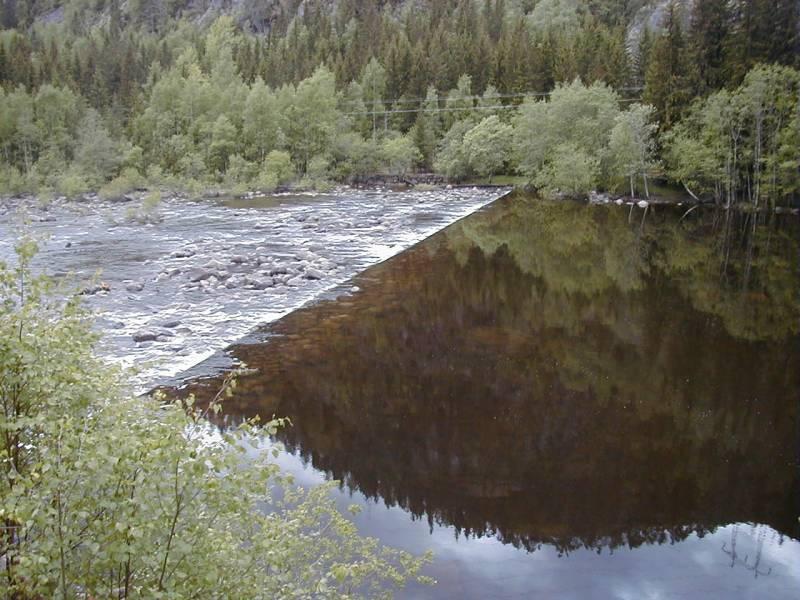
x: 560, y: 400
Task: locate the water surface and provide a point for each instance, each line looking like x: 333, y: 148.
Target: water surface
x: 197, y: 276
x: 561, y: 400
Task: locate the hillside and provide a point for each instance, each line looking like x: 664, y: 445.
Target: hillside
x: 243, y: 94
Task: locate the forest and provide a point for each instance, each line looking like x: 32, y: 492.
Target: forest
x: 516, y: 378
x: 570, y: 95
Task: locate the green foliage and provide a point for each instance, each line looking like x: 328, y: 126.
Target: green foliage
x: 311, y: 117
x: 452, y: 159
x: 103, y: 494
x: 570, y: 171
x: 631, y: 149
x: 555, y: 16
x: 740, y: 145
x: 11, y: 180
x: 278, y: 167
x: 97, y: 155
x: 261, y: 128
x: 488, y: 146
x: 147, y: 211
x: 72, y: 185
x: 576, y: 116
x: 399, y: 154
x: 355, y: 156
x: 670, y: 77
x: 373, y: 86
x: 317, y: 173
x: 156, y: 85
x: 125, y: 182
x: 223, y: 144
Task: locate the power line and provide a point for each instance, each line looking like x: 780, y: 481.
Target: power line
x: 401, y: 100
x: 445, y: 109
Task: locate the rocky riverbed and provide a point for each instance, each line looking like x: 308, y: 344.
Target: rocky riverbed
x: 173, y: 283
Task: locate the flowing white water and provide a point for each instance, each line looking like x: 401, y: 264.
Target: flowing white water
x: 255, y: 261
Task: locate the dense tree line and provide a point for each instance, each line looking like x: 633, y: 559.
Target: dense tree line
x: 165, y: 91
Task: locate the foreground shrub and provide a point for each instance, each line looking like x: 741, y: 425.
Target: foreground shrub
x: 105, y: 495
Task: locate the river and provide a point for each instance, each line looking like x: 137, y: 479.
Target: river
x: 560, y: 399
x: 173, y: 284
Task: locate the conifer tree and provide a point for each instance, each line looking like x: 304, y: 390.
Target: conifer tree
x: 669, y: 77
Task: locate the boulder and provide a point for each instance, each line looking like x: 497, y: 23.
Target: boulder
x: 260, y: 284
x: 199, y: 274
x: 214, y: 265
x: 295, y: 281
x: 136, y: 286
x: 95, y: 289
x: 184, y: 253
x: 145, y: 336
x: 312, y: 273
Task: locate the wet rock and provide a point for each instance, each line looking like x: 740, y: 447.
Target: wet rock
x: 312, y: 273
x: 95, y: 289
x: 170, y: 323
x: 305, y: 255
x: 214, y: 265
x: 167, y: 274
x: 145, y: 336
x: 259, y: 284
x: 68, y: 245
x: 185, y: 253
x: 238, y: 259
x: 295, y: 281
x: 279, y: 271
x: 199, y: 274
x: 136, y: 286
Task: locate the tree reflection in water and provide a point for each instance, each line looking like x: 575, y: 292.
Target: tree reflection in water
x: 549, y: 373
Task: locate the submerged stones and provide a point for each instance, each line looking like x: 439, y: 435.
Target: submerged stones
x: 184, y: 253
x: 199, y: 274
x: 160, y: 334
x: 144, y: 336
x: 312, y: 273
x: 101, y: 287
x: 222, y: 270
